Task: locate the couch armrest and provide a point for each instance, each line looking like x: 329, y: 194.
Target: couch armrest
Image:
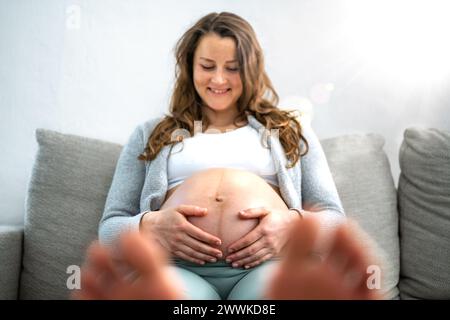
x: 10, y: 261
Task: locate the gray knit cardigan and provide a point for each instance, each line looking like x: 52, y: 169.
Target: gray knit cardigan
x: 139, y: 186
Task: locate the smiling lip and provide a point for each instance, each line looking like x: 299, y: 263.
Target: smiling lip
x: 219, y: 91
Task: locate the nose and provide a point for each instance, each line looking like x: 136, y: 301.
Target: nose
x: 218, y: 77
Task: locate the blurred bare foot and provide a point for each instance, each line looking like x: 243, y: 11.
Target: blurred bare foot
x: 341, y: 275
x: 102, y: 278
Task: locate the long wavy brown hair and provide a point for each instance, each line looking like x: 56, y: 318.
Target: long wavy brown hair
x: 258, y: 95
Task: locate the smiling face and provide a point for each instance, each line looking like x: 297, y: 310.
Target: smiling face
x: 217, y: 77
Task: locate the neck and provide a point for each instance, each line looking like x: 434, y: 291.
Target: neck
x: 222, y: 118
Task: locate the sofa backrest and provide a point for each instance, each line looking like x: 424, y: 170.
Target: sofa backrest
x: 366, y: 187
x: 71, y: 179
x: 67, y: 192
x: 424, y: 203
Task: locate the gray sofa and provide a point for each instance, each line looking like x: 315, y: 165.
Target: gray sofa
x: 411, y: 225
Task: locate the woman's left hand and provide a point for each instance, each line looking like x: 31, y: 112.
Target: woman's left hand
x: 265, y: 241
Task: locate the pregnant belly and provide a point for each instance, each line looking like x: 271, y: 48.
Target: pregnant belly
x: 224, y: 192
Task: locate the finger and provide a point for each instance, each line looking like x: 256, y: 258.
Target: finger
x: 195, y: 254
x: 247, y: 251
x: 202, y: 247
x: 247, y: 240
x: 184, y: 256
x: 250, y: 259
x: 253, y: 213
x: 258, y: 262
x: 190, y: 210
x: 142, y: 255
x: 201, y: 235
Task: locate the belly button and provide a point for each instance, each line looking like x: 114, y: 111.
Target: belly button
x: 219, y: 198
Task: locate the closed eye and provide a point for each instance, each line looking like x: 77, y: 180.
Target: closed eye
x: 208, y: 68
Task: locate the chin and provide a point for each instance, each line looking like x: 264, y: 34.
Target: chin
x: 219, y: 107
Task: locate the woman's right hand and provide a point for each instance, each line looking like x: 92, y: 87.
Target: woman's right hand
x: 177, y: 235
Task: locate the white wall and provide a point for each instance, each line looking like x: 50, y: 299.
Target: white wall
x: 114, y: 69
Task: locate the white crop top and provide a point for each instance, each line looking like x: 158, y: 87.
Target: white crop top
x: 239, y: 149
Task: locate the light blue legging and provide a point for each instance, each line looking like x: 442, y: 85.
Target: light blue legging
x: 218, y: 280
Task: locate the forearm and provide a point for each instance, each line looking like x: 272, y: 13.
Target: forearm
x: 110, y: 229
x: 122, y: 207
x: 319, y: 192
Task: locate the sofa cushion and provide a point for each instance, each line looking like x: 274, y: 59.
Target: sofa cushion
x: 366, y: 187
x: 424, y: 203
x: 66, y: 195
x: 11, y: 238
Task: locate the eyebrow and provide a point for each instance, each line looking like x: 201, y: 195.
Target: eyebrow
x: 210, y: 60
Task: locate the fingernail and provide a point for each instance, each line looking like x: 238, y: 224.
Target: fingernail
x: 219, y: 255
x: 212, y: 260
x: 228, y: 260
x: 235, y: 265
x: 246, y: 267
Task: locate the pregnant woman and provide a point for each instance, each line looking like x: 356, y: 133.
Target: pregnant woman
x: 219, y: 180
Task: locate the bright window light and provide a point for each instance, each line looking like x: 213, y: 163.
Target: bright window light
x: 406, y: 40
